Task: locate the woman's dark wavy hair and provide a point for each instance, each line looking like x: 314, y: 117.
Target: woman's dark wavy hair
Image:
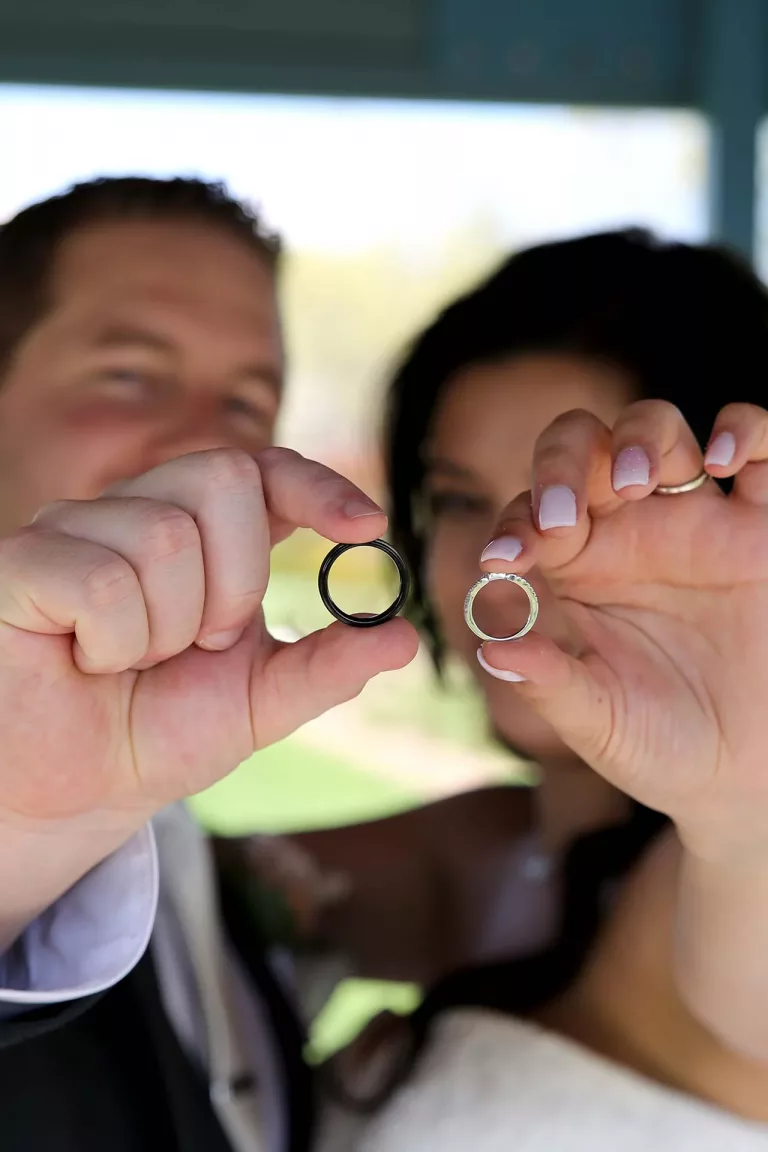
x: 688, y: 324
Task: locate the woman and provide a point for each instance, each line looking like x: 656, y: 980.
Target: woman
x: 636, y: 1009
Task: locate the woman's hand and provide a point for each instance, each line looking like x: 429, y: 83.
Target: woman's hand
x: 665, y: 692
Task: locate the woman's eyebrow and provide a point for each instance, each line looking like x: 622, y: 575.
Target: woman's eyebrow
x: 438, y: 464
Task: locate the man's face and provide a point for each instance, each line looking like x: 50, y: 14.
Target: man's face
x: 161, y: 338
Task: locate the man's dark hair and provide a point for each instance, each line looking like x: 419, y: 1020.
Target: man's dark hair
x: 29, y: 242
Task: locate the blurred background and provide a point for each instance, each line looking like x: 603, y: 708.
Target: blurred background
x: 401, y: 148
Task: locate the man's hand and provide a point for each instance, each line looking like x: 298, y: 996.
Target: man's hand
x: 135, y: 667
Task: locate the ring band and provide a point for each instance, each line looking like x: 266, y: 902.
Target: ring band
x: 363, y: 621
x: 678, y: 489
x: 476, y: 589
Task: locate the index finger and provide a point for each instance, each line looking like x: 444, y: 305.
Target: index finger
x: 242, y: 506
x: 300, y: 493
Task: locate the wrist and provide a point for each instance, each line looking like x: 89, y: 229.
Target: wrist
x: 41, y: 860
x: 733, y: 845
x: 721, y: 944
x: 724, y: 880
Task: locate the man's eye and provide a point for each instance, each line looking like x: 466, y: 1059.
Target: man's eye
x: 129, y: 378
x: 239, y: 406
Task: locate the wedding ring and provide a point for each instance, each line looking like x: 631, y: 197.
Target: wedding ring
x: 476, y: 589
x: 346, y: 617
x: 678, y: 489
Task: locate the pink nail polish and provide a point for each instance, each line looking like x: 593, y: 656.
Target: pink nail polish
x: 631, y: 467
x: 557, y: 507
x: 499, y: 673
x: 722, y: 450
x: 504, y: 548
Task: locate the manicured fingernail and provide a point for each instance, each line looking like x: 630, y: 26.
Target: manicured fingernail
x: 499, y: 673
x: 722, y: 450
x: 631, y: 467
x: 220, y: 641
x: 505, y: 548
x: 357, y: 507
x: 557, y: 507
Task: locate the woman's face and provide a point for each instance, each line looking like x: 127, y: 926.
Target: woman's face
x: 479, y: 458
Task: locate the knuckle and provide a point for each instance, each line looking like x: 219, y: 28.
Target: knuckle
x: 167, y: 530
x: 551, y: 455
x: 108, y: 583
x: 573, y: 421
x: 270, y: 457
x: 229, y: 469
x: 653, y: 407
x: 738, y: 411
x: 651, y: 416
x: 568, y: 433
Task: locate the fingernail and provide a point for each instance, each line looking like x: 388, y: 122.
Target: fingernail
x: 722, y: 449
x: 505, y: 548
x: 557, y: 507
x: 220, y: 641
x: 356, y: 508
x: 499, y: 673
x: 631, y: 467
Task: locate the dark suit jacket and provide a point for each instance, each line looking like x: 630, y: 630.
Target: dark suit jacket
x: 108, y: 1073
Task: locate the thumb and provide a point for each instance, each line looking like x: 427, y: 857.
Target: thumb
x: 302, y: 680
x: 562, y: 689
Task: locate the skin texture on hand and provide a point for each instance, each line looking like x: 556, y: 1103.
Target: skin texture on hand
x: 135, y: 667
x: 662, y: 689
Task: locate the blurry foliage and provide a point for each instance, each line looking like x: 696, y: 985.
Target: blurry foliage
x: 291, y: 787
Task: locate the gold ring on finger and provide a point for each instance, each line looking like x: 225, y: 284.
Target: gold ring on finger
x: 679, y: 489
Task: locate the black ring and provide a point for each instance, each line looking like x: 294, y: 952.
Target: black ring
x: 363, y: 621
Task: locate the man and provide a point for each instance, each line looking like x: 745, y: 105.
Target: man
x: 141, y: 369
